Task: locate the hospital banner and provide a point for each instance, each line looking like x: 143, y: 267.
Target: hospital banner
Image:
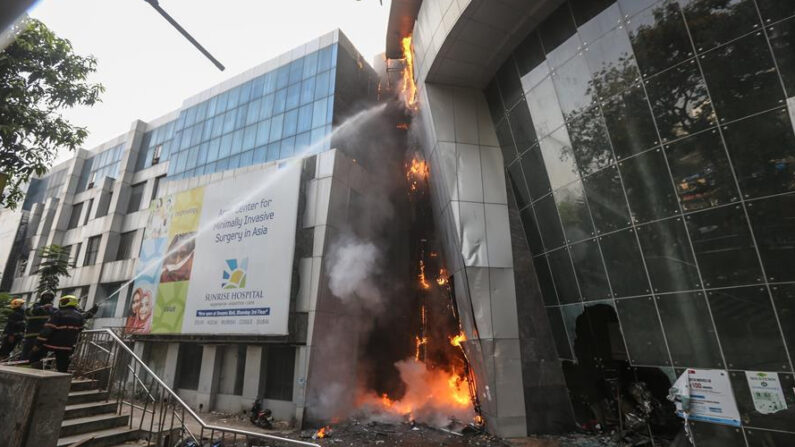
x: 218, y: 259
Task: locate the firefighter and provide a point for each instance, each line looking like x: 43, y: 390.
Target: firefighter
x: 15, y: 328
x: 60, y: 334
x: 35, y: 317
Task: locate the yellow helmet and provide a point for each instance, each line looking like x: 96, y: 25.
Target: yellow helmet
x: 16, y: 303
x: 68, y: 301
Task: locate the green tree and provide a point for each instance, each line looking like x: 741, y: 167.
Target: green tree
x: 54, y: 265
x: 39, y: 77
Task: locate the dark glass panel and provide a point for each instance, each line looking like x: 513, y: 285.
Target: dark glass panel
x: 773, y: 223
x: 701, y: 171
x: 774, y: 10
x: 548, y: 222
x: 769, y: 418
x: 624, y: 263
x: 559, y: 158
x: 510, y: 87
x: 595, y: 17
x: 559, y: 332
x: 544, y: 107
x: 782, y: 39
x: 573, y: 84
x: 590, y: 271
x: 642, y: 331
x: 629, y: 122
x: 669, y: 259
x: 519, y: 185
x: 764, y: 438
x: 649, y: 191
x: 545, y: 280
x: 590, y: 142
x: 563, y: 276
x: 535, y: 173
x: 762, y: 150
x: 524, y: 134
x: 680, y: 101
x: 784, y: 299
x: 713, y: 22
x: 612, y: 63
x: 740, y: 89
x: 556, y: 30
x: 707, y: 434
x: 531, y: 231
x: 529, y: 54
x: 505, y: 138
x: 724, y: 249
x: 659, y: 37
x: 574, y: 212
x: 606, y: 200
x: 689, y: 331
x: 631, y: 7
x: 492, y: 93
x: 747, y: 329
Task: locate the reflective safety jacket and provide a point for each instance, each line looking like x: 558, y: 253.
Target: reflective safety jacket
x: 35, y: 317
x: 15, y: 324
x: 62, y: 329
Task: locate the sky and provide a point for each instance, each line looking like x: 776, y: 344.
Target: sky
x: 148, y: 68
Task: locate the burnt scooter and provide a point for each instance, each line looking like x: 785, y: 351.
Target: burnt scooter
x: 261, y: 417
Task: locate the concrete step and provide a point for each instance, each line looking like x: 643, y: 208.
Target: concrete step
x: 88, y: 409
x: 83, y: 385
x: 72, y: 427
x: 82, y: 397
x: 104, y: 438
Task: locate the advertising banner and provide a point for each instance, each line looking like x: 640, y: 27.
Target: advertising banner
x: 706, y: 395
x: 218, y: 259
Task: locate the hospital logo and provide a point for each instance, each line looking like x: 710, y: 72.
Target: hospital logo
x: 235, y: 274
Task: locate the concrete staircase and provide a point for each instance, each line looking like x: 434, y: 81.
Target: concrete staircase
x: 91, y: 420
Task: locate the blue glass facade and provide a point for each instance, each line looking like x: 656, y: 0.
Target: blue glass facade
x: 104, y: 164
x: 273, y: 116
x: 156, y: 146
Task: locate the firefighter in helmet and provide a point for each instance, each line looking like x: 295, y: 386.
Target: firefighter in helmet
x: 35, y: 318
x: 60, y: 334
x: 15, y: 328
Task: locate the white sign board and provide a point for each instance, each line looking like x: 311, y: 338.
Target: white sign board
x: 766, y: 391
x: 706, y: 395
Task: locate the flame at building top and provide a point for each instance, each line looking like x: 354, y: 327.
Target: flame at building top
x: 408, y: 89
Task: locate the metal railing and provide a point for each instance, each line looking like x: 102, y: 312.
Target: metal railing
x: 154, y: 409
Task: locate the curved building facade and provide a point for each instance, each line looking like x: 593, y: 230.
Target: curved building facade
x: 615, y: 183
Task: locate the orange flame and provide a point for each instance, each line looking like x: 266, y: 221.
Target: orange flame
x: 458, y: 339
x: 442, y: 279
x: 409, y: 88
x: 418, y: 342
x: 423, y: 281
x: 323, y: 432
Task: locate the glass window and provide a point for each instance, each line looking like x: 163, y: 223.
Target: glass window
x: 226, y: 146
x: 213, y: 148
x: 573, y: 210
x: 290, y: 122
x: 505, y: 139
x: 263, y: 132
x: 659, y: 37
x: 559, y: 158
x: 606, y: 200
x: 535, y: 173
x: 237, y: 142
x: 287, y: 147
x: 648, y: 185
x: 680, y: 101
x: 544, y: 107
x: 666, y: 248
x: 531, y: 231
x: 574, y: 86
x: 136, y: 196
x: 229, y: 120
x: 780, y: 38
x: 125, y: 250
x: 240, y: 120
x: 222, y: 102
x: 256, y: 87
x: 612, y: 63
x: 277, y: 122
x: 519, y: 185
x: 590, y: 142
x: 559, y: 332
x: 549, y: 223
x: 234, y: 98
x: 773, y: 222
x: 747, y: 329
x: 324, y: 59
x: 247, y: 158
x: 590, y: 271
x: 310, y: 65
x: 74, y: 218
x: 624, y: 263
x: 701, y: 171
x: 740, y: 89
x: 522, y: 128
x: 245, y: 93
x: 302, y: 142
x: 202, y: 154
x: 319, y: 113
x: 269, y: 82
x: 563, y: 276
x: 559, y: 35
x: 293, y: 97
x: 762, y: 149
x: 784, y: 298
x: 279, y: 101
x: 249, y: 137
x: 688, y: 328
x: 266, y: 107
x: 510, y: 87
x: 754, y: 418
x: 260, y: 155
x: 595, y: 17
x: 304, y: 118
x: 273, y: 151
x: 530, y: 61
x: 712, y: 24
x: 92, y: 250
x: 629, y: 122
x: 234, y: 162
x: 321, y: 85
x: 724, y: 248
x: 545, y: 280
x: 642, y: 331
x: 308, y: 90
x: 252, y: 112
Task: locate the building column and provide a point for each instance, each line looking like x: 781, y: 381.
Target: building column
x: 208, y: 378
x: 170, y: 369
x: 252, y: 373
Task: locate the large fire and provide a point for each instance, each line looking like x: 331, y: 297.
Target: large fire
x: 408, y: 88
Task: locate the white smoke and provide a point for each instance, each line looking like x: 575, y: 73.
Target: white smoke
x: 354, y: 265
